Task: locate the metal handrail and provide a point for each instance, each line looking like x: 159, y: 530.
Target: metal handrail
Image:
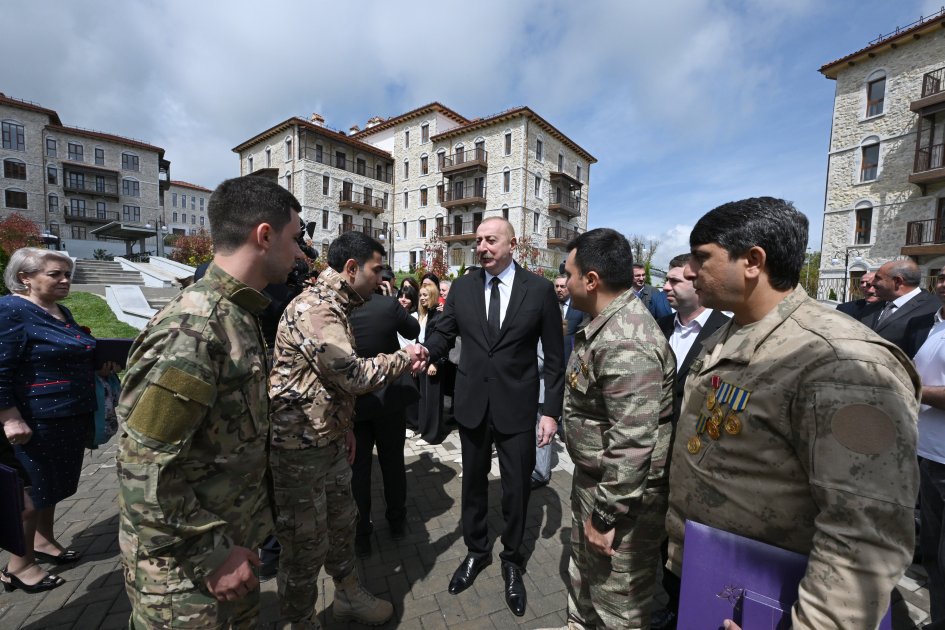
x: 462, y: 157
x: 929, y: 158
x: 372, y: 200
x: 345, y: 164
x: 470, y: 191
x: 933, y: 82
x: 563, y: 233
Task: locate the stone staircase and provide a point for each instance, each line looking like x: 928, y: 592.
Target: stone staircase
x: 104, y: 272
x: 158, y: 297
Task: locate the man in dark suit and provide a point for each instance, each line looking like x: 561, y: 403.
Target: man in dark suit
x: 572, y: 316
x: 691, y: 323
x: 380, y: 418
x: 501, y: 313
x: 653, y: 299
x: 908, y: 314
x: 858, y: 309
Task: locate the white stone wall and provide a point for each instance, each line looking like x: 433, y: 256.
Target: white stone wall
x: 895, y: 201
x: 177, y: 201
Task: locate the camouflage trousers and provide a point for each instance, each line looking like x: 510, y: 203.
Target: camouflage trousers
x: 193, y: 609
x: 316, y: 517
x: 614, y: 591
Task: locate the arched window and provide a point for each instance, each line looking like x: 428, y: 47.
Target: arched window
x: 869, y: 159
x: 863, y: 227
x: 14, y: 169
x: 129, y: 162
x: 53, y: 203
x: 875, y: 93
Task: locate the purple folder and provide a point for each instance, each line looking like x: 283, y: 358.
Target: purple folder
x: 11, y: 514
x: 727, y: 576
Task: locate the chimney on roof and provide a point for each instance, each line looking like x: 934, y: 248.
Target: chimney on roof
x: 318, y: 119
x: 373, y: 122
x: 353, y: 130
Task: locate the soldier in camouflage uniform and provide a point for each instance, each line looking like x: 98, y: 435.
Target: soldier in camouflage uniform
x: 798, y: 426
x: 617, y: 410
x: 313, y: 386
x: 194, y: 426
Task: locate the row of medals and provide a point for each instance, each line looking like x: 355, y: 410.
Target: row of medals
x: 717, y: 422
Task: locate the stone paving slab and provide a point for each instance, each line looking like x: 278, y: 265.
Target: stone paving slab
x: 413, y: 573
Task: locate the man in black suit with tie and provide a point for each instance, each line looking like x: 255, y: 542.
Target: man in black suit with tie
x: 501, y: 312
x: 864, y: 306
x: 908, y: 314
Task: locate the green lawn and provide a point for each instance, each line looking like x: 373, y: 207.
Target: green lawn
x: 92, y: 311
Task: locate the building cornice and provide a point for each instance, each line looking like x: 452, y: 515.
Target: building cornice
x: 306, y: 124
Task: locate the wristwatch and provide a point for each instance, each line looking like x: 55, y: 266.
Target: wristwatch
x: 599, y: 523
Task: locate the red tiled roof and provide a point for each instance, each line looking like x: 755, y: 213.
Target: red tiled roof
x: 88, y: 133
x: 396, y: 120
x: 886, y: 42
x: 31, y: 106
x: 512, y: 113
x: 302, y: 122
x: 175, y: 182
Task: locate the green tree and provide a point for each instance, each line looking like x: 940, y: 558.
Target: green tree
x: 810, y: 273
x: 193, y: 249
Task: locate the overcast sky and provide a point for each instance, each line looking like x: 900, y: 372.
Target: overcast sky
x: 686, y: 104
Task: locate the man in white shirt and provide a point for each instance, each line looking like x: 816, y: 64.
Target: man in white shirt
x: 906, y: 317
x: 930, y: 363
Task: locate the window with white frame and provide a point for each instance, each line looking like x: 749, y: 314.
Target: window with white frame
x: 863, y: 227
x: 506, y: 180
x: 53, y: 203
x: 869, y: 159
x: 52, y: 175
x: 537, y: 186
x: 131, y: 213
x: 52, y: 149
x: 425, y: 133
x: 539, y: 149
x: 508, y: 143
x: 76, y: 152
x: 129, y: 162
x: 130, y: 188
x: 100, y: 157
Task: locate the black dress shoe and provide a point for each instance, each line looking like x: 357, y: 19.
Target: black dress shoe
x: 466, y: 573
x: 398, y: 529
x: 514, y: 589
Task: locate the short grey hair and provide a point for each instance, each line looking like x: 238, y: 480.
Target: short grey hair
x: 906, y: 269
x: 29, y: 260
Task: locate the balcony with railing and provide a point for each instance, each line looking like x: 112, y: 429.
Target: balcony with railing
x: 373, y: 232
x: 361, y: 201
x: 463, y: 161
x: 90, y: 184
x: 384, y: 174
x: 933, y: 91
x: 561, y: 235
x: 924, y: 238
x: 565, y: 203
x: 469, y: 195
x: 929, y: 165
x: 559, y: 178
x: 457, y: 232
x: 89, y: 216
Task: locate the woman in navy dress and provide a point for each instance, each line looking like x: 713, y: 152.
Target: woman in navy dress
x: 47, y: 398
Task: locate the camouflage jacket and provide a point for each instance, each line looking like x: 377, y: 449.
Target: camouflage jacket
x: 317, y: 376
x: 800, y: 431
x: 194, y: 434
x: 618, y: 405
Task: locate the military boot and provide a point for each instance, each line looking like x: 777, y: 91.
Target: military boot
x: 353, y: 602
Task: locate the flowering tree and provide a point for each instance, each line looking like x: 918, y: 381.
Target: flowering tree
x: 527, y: 254
x: 193, y: 249
x: 17, y: 231
x: 434, y: 251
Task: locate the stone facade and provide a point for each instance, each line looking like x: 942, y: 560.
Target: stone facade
x: 185, y: 209
x: 874, y: 214
x: 77, y: 180
x: 429, y: 187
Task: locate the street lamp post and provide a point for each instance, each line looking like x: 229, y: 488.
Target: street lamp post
x: 390, y: 236
x: 857, y: 256
x: 160, y: 232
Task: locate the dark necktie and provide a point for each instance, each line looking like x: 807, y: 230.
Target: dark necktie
x: 883, y: 314
x: 493, y: 317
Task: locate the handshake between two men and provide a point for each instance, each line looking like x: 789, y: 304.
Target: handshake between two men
x: 419, y: 356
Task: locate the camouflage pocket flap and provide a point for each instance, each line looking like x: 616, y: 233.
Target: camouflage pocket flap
x: 185, y: 386
x: 172, y: 407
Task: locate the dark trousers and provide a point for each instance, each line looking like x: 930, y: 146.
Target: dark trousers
x: 516, y: 462
x: 932, y: 534
x: 387, y: 432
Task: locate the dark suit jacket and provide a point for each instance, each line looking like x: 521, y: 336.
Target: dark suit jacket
x: 909, y: 325
x: 655, y: 301
x: 573, y: 317
x: 501, y: 374
x: 858, y: 309
x: 375, y: 326
x: 668, y: 325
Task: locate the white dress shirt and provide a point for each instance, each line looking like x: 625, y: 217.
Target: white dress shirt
x: 930, y: 364
x: 684, y: 335
x: 901, y: 301
x: 505, y: 290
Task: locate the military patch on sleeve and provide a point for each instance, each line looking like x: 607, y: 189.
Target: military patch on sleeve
x: 863, y: 429
x: 171, y: 407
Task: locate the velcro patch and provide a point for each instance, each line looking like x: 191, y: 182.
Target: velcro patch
x: 863, y: 429
x: 171, y: 407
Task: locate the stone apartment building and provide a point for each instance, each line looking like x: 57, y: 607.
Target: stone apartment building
x: 185, y: 209
x: 431, y: 169
x: 86, y: 190
x: 886, y: 173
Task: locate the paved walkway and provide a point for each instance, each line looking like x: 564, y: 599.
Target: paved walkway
x: 412, y: 573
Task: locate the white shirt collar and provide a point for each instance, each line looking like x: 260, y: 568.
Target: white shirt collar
x: 698, y: 322
x: 505, y: 276
x: 903, y: 299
